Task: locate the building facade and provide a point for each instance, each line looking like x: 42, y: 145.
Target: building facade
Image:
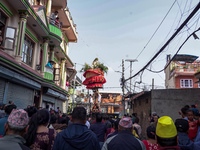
x: 165, y: 102
x: 34, y: 61
x: 179, y: 74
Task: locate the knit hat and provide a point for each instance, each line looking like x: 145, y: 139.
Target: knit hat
x: 126, y: 122
x: 182, y: 125
x: 166, y: 128
x: 18, y: 118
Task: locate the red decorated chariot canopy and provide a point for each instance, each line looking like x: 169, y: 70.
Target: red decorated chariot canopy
x: 94, y: 78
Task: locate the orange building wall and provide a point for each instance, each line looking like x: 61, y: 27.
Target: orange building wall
x: 178, y: 82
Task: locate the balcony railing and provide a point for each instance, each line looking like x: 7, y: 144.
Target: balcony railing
x: 185, y: 70
x: 55, y: 27
x: 48, y: 73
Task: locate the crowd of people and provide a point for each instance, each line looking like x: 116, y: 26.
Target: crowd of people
x: 43, y: 129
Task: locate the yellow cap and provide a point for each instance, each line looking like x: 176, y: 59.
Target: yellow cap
x: 166, y: 128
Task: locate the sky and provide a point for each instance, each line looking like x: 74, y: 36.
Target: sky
x: 112, y: 30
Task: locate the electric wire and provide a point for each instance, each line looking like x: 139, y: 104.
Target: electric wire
x: 167, y: 43
x: 156, y: 30
x: 176, y: 53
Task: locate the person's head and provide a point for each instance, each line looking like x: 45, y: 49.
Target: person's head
x: 193, y: 106
x: 57, y: 107
x: 190, y: 115
x: 79, y: 115
x: 31, y: 111
x: 40, y: 118
x: 184, y: 112
x: 155, y: 118
x: 38, y: 2
x: 125, y: 124
x: 56, y: 12
x: 116, y: 124
x: 53, y: 119
x: 106, y: 117
x: 166, y: 133
x: 136, y: 120
x: 182, y: 125
x: 9, y: 108
x: 57, y: 18
x: 17, y: 123
x: 151, y: 132
x: 98, y: 118
x: 187, y: 106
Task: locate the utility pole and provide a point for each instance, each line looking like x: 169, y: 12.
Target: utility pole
x: 131, y: 61
x: 123, y: 84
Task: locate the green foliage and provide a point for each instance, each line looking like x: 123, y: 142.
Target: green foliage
x: 86, y: 67
x: 95, y: 65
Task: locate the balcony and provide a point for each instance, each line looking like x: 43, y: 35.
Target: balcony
x: 48, y: 73
x: 55, y: 30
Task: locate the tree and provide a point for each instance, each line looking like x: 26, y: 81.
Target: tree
x: 95, y: 65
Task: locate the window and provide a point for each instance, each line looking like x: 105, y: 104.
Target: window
x: 186, y: 83
x: 10, y: 38
x: 2, y: 27
x: 198, y: 85
x: 27, y: 52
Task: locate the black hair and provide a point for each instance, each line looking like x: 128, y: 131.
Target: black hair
x: 187, y: 106
x: 116, y: 123
x: 98, y: 118
x: 184, y: 110
x: 9, y: 109
x: 166, y: 142
x: 31, y: 111
x: 79, y: 113
x: 193, y: 106
x: 136, y: 120
x: 106, y: 117
x: 39, y: 118
x: 151, y: 130
x: 190, y: 111
x: 182, y: 125
x: 53, y: 119
x: 56, y: 11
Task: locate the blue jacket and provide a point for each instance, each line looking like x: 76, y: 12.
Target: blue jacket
x: 76, y: 137
x: 2, y: 124
x: 124, y: 140
x: 184, y: 141
x: 100, y: 130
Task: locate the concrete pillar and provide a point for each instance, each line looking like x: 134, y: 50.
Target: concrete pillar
x: 51, y: 53
x: 21, y: 34
x: 49, y: 4
x: 62, y: 69
x: 44, y: 54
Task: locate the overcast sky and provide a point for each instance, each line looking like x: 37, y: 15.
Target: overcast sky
x: 113, y: 30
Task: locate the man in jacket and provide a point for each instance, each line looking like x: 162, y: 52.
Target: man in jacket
x: 77, y: 135
x: 15, y: 128
x: 166, y: 134
x: 124, y: 140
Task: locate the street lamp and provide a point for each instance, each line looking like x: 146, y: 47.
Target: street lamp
x: 131, y: 61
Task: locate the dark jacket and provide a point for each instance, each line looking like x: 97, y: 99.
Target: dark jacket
x: 2, y: 124
x: 99, y: 129
x: 170, y: 148
x: 12, y: 142
x: 76, y: 137
x: 184, y: 142
x: 124, y: 140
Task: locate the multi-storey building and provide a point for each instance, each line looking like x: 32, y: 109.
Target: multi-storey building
x: 31, y: 40
x: 180, y: 72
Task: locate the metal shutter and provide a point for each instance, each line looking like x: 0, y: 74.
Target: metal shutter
x: 21, y: 96
x: 2, y: 87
